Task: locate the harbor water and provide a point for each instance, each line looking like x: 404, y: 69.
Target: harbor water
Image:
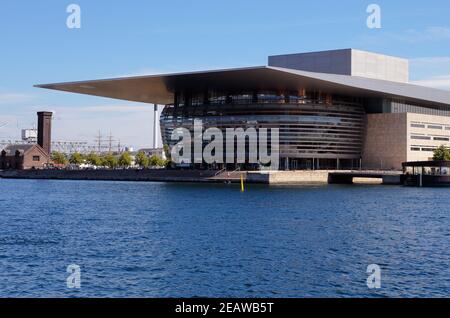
x: 133, y: 239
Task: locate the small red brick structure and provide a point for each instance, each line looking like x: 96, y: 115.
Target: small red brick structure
x: 22, y: 157
x: 30, y: 156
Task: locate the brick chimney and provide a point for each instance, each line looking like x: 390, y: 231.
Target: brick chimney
x: 45, y: 130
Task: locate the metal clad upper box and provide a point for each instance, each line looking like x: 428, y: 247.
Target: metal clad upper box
x: 347, y: 62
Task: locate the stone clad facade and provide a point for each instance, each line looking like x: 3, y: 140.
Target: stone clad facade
x: 393, y: 138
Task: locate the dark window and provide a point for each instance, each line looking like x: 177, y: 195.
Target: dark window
x: 441, y: 138
x: 36, y: 158
x: 421, y: 137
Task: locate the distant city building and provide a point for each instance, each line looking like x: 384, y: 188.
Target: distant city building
x: 337, y: 109
x: 29, y: 135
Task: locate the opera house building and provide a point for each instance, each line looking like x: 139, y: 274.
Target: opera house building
x: 338, y: 109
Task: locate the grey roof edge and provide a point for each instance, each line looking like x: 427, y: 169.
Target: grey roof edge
x: 397, y: 89
x: 13, y: 148
x: 150, y: 76
x: 312, y: 52
x: 406, y: 90
x: 379, y: 53
x: 340, y: 50
x: 25, y: 147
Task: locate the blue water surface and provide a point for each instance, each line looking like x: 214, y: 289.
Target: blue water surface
x: 172, y: 240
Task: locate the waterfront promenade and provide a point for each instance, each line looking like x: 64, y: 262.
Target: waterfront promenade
x: 212, y: 176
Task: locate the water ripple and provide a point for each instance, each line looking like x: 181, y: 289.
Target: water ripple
x: 169, y: 240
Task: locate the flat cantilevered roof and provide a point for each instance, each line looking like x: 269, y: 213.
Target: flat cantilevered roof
x: 159, y: 89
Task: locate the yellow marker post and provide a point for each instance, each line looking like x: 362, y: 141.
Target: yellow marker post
x: 242, y: 183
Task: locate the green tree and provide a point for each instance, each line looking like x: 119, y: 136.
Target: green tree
x: 156, y: 161
x: 76, y: 158
x: 94, y: 159
x: 166, y: 149
x: 59, y: 158
x: 110, y: 161
x: 125, y: 159
x: 142, y: 159
x: 441, y: 153
x: 168, y: 163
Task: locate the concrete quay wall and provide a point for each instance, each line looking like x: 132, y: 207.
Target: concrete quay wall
x: 113, y: 175
x: 288, y: 177
x: 262, y: 177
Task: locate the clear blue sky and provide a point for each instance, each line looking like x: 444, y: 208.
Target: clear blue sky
x: 120, y: 38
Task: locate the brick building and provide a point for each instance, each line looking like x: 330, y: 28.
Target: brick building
x: 30, y: 156
x: 23, y: 157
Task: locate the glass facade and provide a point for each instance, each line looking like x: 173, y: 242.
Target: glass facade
x: 316, y: 130
x: 397, y: 106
